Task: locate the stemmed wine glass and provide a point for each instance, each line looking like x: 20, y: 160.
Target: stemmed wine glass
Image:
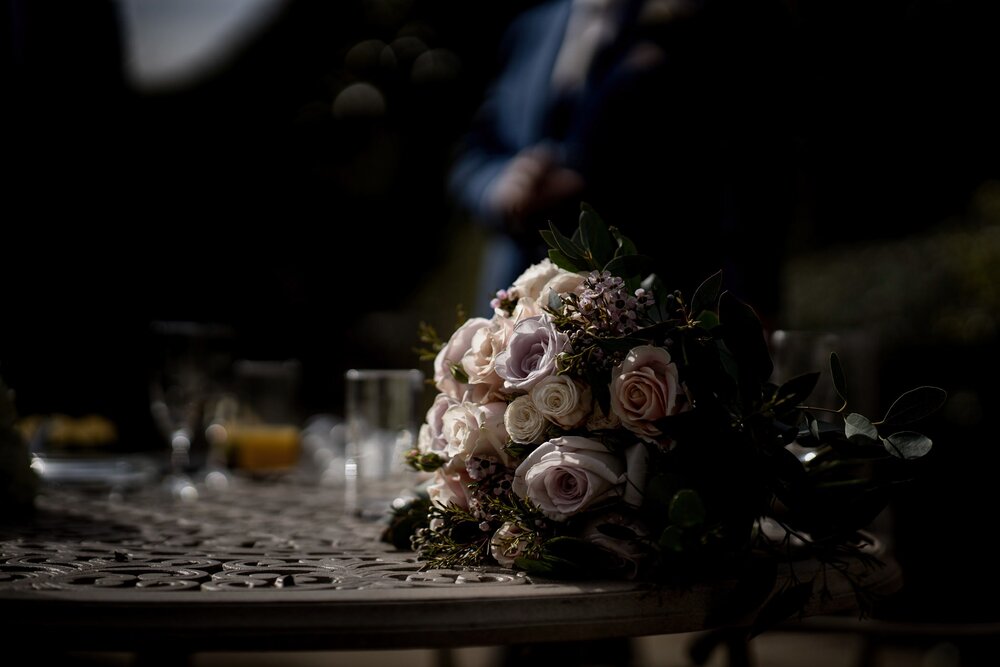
x: 190, y: 367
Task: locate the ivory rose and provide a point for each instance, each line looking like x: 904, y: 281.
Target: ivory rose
x: 540, y: 281
x: 475, y: 430
x: 530, y: 283
x: 531, y: 353
x: 567, y: 475
x: 562, y: 400
x: 526, y: 307
x: 525, y: 424
x: 564, y: 282
x: 644, y: 389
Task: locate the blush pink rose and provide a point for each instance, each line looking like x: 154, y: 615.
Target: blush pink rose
x: 479, y: 361
x: 450, y: 356
x: 432, y: 440
x: 449, y: 488
x: 644, y: 389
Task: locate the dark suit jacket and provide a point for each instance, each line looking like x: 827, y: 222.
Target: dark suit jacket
x: 678, y: 133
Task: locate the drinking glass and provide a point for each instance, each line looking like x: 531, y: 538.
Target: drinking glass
x: 264, y: 431
x: 190, y: 367
x: 383, y: 416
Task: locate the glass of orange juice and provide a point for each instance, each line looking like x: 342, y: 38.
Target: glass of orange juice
x: 262, y: 430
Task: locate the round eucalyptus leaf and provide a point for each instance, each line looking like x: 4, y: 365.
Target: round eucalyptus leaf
x: 908, y: 444
x: 858, y: 427
x: 686, y: 509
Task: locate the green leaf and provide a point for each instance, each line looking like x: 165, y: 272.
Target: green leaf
x: 458, y: 372
x: 537, y: 566
x: 796, y: 390
x: 628, y: 266
x: 565, y: 245
x: 568, y: 557
x: 595, y: 237
x: 914, y: 405
x: 686, y: 509
x: 814, y: 427
x: 706, y: 297
x: 837, y: 375
x: 859, y: 428
x: 652, y: 284
x: 625, y: 245
x: 908, y: 445
x: 707, y: 320
x: 562, y: 261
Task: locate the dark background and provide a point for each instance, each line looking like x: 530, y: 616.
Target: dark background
x: 240, y: 198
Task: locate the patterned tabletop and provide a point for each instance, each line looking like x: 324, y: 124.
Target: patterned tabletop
x: 279, y: 564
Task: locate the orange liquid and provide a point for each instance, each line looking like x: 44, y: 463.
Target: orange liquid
x: 264, y: 447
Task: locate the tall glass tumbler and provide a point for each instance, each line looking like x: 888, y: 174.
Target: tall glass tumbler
x: 383, y: 414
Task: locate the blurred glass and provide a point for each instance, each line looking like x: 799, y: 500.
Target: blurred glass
x: 382, y: 418
x: 262, y: 427
x: 190, y: 368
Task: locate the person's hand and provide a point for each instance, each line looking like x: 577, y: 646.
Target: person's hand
x: 532, y: 182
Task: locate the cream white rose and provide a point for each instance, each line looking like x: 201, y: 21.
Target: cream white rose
x: 524, y: 423
x: 525, y: 308
x: 567, y: 475
x: 644, y: 389
x: 564, y: 282
x: 475, y: 430
x: 530, y: 283
x: 562, y: 400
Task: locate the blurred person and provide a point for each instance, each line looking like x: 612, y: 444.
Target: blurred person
x: 666, y: 116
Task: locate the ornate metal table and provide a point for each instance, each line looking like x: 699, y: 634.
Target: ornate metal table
x: 278, y: 565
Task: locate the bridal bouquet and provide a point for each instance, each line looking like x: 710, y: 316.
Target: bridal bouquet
x: 602, y: 425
